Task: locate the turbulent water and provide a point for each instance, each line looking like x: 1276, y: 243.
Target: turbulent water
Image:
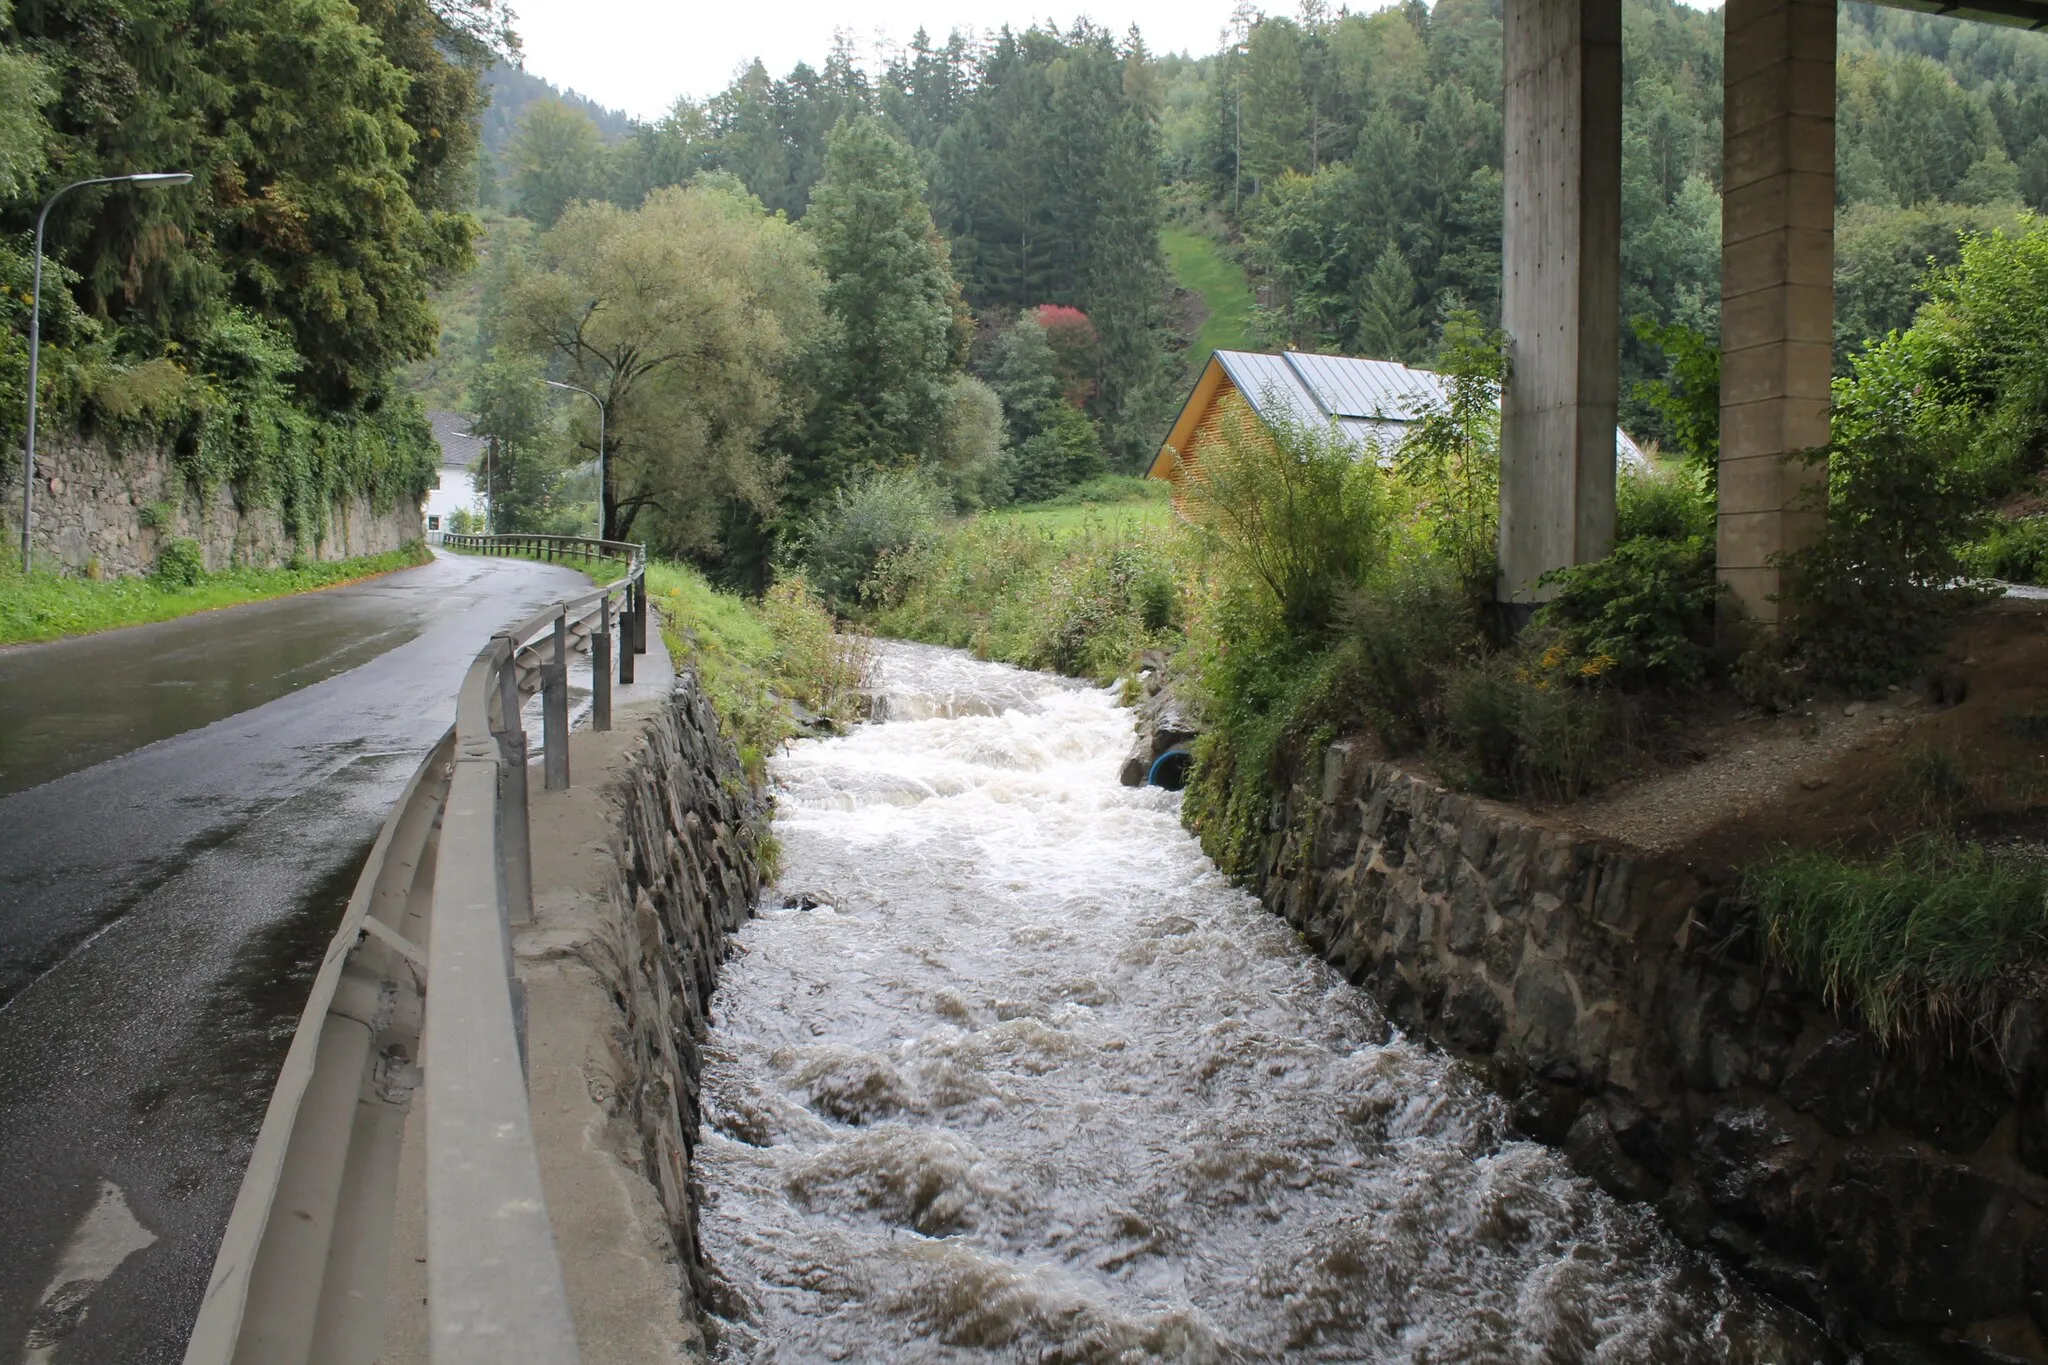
x: 1007, y: 1072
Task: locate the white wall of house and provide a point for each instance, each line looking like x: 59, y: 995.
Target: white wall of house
x: 456, y: 489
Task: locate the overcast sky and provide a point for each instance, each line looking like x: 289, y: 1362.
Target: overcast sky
x: 639, y: 55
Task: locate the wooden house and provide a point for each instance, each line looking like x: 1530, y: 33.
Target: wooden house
x: 1373, y: 403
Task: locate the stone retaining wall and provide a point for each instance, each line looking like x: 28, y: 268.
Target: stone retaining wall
x: 687, y: 858
x: 1614, y: 999
x: 89, y: 513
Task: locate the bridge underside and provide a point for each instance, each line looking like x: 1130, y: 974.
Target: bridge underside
x: 1561, y: 269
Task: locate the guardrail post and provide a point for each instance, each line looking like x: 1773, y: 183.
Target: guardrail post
x: 554, y: 708
x: 515, y: 832
x: 640, y: 616
x: 625, y: 636
x: 601, y: 667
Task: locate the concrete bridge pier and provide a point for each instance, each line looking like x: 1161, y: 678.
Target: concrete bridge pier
x: 1777, y: 287
x: 1560, y: 287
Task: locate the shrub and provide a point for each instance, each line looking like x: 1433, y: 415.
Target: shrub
x: 816, y: 665
x: 1452, y: 457
x: 1688, y: 400
x: 1267, y: 693
x: 1525, y: 731
x: 885, y: 514
x: 179, y: 564
x: 1875, y: 592
x: 1642, y: 616
x: 2016, y: 551
x: 1917, y: 943
x: 161, y: 515
x: 1288, y: 508
x: 1402, y: 635
x: 1929, y: 425
x: 1658, y: 506
x: 1066, y: 450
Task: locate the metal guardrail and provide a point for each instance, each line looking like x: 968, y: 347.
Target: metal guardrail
x: 416, y: 994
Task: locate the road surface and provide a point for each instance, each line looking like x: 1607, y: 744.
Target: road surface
x: 183, y: 809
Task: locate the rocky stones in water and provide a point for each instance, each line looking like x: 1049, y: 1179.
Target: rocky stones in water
x: 1164, y: 729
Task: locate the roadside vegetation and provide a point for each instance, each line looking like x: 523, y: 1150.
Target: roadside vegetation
x: 1923, y: 943
x: 775, y: 668
x: 49, y: 606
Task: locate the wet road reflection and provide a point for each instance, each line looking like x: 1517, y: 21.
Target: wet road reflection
x: 74, y: 703
x: 203, y: 793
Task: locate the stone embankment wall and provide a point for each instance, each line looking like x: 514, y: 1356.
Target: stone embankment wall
x: 89, y: 514
x: 687, y: 850
x: 1617, y: 1003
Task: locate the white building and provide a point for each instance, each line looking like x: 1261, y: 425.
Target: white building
x: 458, y: 488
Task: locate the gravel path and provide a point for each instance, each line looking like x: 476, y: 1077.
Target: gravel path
x: 1751, y: 762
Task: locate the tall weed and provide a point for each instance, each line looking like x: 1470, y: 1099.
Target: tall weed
x: 1085, y: 602
x: 1522, y: 729
x: 1288, y: 507
x: 1452, y: 457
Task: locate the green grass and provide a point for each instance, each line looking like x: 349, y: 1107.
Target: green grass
x: 759, y: 661
x: 1079, y: 590
x: 1919, y: 944
x: 49, y: 606
x: 1198, y: 263
x: 1112, y: 503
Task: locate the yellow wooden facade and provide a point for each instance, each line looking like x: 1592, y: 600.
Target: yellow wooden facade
x: 1199, y: 427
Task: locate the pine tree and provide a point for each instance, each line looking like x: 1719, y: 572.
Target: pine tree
x: 890, y: 293
x: 1389, y: 321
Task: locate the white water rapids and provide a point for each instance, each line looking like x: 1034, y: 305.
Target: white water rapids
x: 1028, y: 1080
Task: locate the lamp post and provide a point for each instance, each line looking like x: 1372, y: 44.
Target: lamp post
x: 35, y: 331
x: 573, y: 388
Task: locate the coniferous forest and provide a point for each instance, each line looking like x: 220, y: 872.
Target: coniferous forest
x: 951, y: 258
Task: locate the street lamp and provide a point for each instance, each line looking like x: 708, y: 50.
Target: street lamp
x: 35, y: 330
x: 556, y: 384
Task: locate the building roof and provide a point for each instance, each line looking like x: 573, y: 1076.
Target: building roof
x: 1374, y: 402
x: 2017, y: 13
x: 459, y: 449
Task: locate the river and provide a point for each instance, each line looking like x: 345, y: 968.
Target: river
x: 1006, y: 1071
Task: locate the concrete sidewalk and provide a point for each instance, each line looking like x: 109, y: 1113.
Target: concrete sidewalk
x: 624, y: 1281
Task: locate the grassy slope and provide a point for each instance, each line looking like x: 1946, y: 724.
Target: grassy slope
x: 1198, y: 263
x: 1108, y: 503
x: 756, y: 658
x: 47, y: 607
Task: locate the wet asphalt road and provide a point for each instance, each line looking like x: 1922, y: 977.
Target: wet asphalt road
x: 183, y: 809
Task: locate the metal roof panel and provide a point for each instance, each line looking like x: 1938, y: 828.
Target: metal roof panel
x: 1374, y: 403
x: 1348, y: 386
